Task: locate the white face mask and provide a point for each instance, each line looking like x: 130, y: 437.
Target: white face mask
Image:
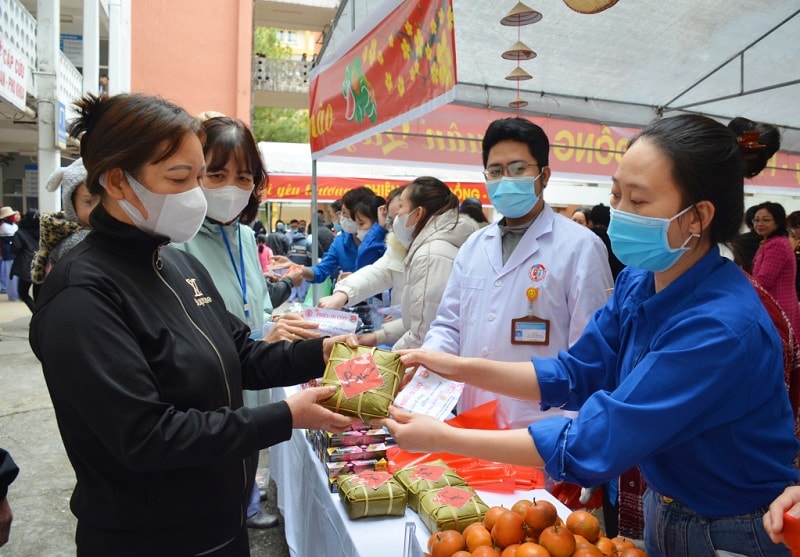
x: 402, y: 231
x: 348, y: 225
x: 225, y: 203
x: 361, y: 234
x: 177, y: 216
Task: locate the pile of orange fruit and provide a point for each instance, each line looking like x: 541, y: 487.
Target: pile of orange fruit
x: 531, y: 529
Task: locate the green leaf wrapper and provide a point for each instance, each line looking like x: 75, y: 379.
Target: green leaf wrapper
x: 360, y: 500
x: 418, y: 486
x: 437, y: 516
x: 370, y: 404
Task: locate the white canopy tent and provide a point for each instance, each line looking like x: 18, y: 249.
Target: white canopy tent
x: 629, y: 64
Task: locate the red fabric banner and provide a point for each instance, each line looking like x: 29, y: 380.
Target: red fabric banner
x: 452, y: 135
x: 405, y: 61
x: 286, y: 187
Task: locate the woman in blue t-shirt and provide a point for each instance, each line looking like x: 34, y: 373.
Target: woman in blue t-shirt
x: 681, y: 373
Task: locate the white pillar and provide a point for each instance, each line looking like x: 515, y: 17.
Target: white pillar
x: 49, y: 156
x: 119, y: 46
x: 91, y: 45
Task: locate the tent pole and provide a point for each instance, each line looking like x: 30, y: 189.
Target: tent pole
x: 315, y: 229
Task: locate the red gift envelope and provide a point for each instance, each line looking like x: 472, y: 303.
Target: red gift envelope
x: 358, y: 375
x: 428, y: 472
x: 453, y: 496
x: 372, y: 479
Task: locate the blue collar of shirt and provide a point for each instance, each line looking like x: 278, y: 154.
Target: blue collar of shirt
x: 677, y: 291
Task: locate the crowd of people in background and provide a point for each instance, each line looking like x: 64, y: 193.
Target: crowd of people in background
x: 579, y: 295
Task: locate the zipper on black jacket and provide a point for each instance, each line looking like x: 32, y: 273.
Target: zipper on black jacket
x: 158, y: 265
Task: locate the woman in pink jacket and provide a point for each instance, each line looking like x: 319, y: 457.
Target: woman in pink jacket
x: 774, y: 265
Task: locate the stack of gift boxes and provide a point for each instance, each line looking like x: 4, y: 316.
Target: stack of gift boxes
x: 360, y: 448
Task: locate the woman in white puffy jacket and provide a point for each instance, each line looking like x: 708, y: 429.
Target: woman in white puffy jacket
x: 386, y: 273
x: 429, y: 225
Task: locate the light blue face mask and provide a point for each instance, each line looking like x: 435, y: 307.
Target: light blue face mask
x: 642, y: 242
x: 513, y: 197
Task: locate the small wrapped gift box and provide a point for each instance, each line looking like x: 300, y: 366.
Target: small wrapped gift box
x: 425, y: 477
x: 346, y: 454
x: 366, y: 380
x: 372, y: 493
x: 451, y: 508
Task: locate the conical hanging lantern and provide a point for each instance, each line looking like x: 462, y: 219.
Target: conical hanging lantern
x: 518, y: 74
x: 519, y: 51
x: 518, y: 103
x: 521, y: 15
x: 589, y: 6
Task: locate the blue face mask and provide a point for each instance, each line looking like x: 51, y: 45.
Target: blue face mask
x: 337, y: 227
x: 513, y: 197
x: 642, y: 242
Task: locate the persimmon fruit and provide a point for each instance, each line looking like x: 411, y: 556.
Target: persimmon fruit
x: 510, y: 551
x: 520, y: 506
x: 477, y: 537
x: 491, y: 515
x: 485, y: 551
x: 584, y: 524
x: 540, y: 514
x: 529, y: 549
x: 558, y: 541
x: 508, y: 529
x: 621, y: 543
x: 606, y: 546
x: 445, y: 543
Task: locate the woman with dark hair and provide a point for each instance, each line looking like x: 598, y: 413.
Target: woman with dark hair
x: 225, y: 244
x: 25, y: 245
x: 144, y: 363
x: 361, y: 243
x: 429, y: 226
x: 371, y: 280
x: 680, y: 373
x: 793, y: 227
x: 582, y: 216
x: 774, y: 265
x: 472, y: 207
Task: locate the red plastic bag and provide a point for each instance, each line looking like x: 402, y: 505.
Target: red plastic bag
x: 570, y: 495
x: 479, y: 474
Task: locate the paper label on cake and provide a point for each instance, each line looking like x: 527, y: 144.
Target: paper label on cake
x: 358, y: 375
x: 429, y: 472
x: 332, y: 322
x: 453, y: 496
x: 372, y: 479
x: 429, y: 393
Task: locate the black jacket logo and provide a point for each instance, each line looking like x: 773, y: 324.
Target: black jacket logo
x: 199, y: 298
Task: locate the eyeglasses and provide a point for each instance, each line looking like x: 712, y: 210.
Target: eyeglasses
x: 762, y: 221
x: 514, y: 169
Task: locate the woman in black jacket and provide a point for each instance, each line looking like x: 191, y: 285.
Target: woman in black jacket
x: 25, y: 245
x: 144, y: 364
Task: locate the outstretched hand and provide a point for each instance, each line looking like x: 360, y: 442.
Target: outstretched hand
x: 327, y: 344
x: 414, y: 432
x: 291, y: 326
x: 446, y: 365
x: 775, y: 523
x: 308, y: 414
x: 278, y: 262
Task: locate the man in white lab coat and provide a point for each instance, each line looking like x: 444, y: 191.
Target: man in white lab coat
x: 526, y: 285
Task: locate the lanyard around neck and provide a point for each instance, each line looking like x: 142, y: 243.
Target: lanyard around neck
x: 239, y: 275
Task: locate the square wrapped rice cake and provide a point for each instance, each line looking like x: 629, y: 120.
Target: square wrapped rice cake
x: 372, y: 493
x: 451, y: 508
x: 366, y: 379
x: 425, y: 477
